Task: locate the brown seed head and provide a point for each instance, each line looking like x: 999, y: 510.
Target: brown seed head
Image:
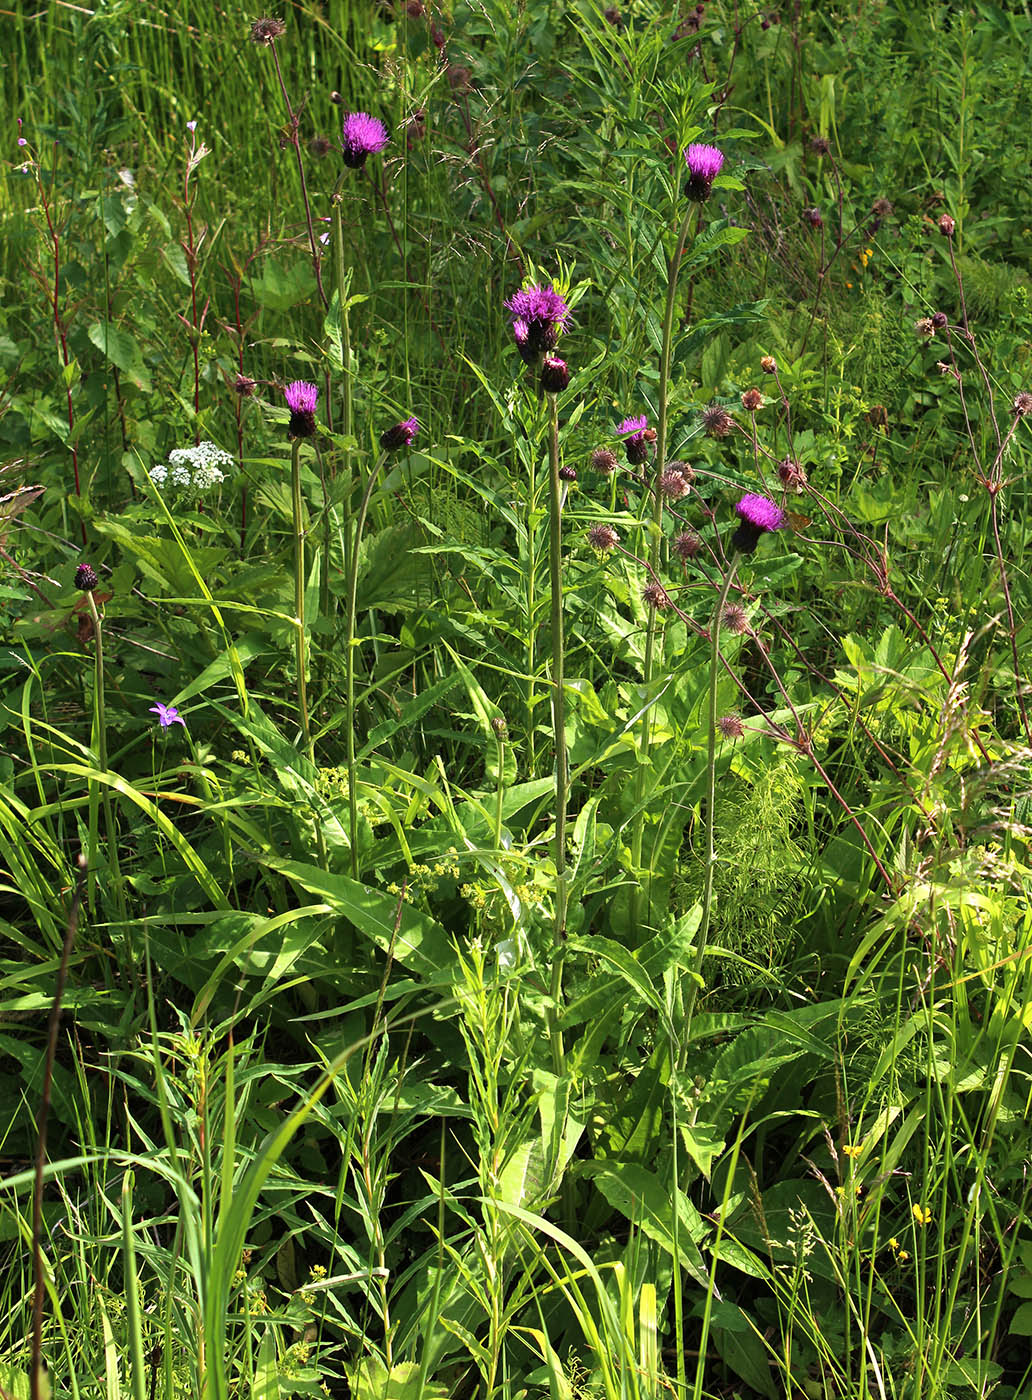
x: 734, y: 619
x: 603, y: 538
x: 686, y: 471
x: 769, y: 365
x: 267, y: 31
x: 791, y: 474
x: 924, y: 328
x: 320, y: 146
x: 716, y: 421
x: 244, y: 386
x: 672, y: 484
x: 813, y: 217
x: 730, y: 727
x: 820, y: 145
x: 655, y: 595
x: 686, y: 545
x: 460, y: 78
x: 940, y: 320
x: 604, y: 461
x: 947, y: 224
x: 1022, y: 404
x: 752, y: 399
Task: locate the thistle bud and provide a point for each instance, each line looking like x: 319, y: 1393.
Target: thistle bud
x: 86, y: 578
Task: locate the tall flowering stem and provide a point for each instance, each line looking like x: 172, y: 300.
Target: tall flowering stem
x: 562, y: 770
x: 673, y: 266
x: 711, y: 795
x: 301, y: 644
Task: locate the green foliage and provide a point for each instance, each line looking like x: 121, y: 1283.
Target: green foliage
x: 339, y: 1102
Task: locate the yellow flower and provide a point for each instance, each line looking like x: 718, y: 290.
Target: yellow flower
x: 851, y: 1150
x: 903, y: 1256
x: 894, y: 1243
x: 922, y: 1214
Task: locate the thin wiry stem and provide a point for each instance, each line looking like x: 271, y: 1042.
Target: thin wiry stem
x: 562, y: 773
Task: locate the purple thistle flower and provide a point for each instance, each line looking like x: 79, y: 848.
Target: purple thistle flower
x: 167, y: 715
x: 86, y: 578
x: 555, y: 374
x: 704, y: 165
x: 401, y: 435
x: 757, y: 516
x: 639, y: 439
x: 301, y: 398
x: 539, y: 317
x: 363, y: 135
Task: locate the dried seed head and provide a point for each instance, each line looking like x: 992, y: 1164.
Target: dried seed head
x: 603, y: 538
x: 686, y: 545
x: 86, y: 578
x: 820, y: 145
x: 655, y: 596
x: 1022, y: 404
x: 752, y: 399
x: 769, y: 365
x: 880, y: 211
x: 267, y: 31
x: 460, y: 78
x: 320, y: 146
x: 924, y: 327
x: 716, y: 421
x: 813, y: 217
x: 878, y: 416
x: 604, y: 461
x: 730, y: 727
x: 791, y: 474
x: 734, y: 619
x: 672, y: 484
x: 947, y: 224
x: 686, y: 471
x: 244, y: 386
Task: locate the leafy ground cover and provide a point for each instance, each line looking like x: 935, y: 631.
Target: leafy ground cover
x: 514, y: 792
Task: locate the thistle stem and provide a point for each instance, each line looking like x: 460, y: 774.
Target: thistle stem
x: 562, y: 774
x: 673, y: 267
x: 349, y: 662
x: 100, y: 729
x: 301, y: 647
x: 711, y: 797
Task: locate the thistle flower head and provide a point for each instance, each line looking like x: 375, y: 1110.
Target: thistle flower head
x: 361, y: 136
x: 1022, y: 404
x: 940, y: 320
x: 704, y: 165
x: 539, y: 317
x: 947, y: 225
x: 401, y: 435
x: 924, y: 327
x: 604, y: 461
x: 730, y: 727
x: 603, y: 538
x: 301, y: 398
x: 554, y: 374
x: 267, y: 31
x: 752, y: 400
x: 567, y: 473
x: 638, y: 439
x: 756, y: 516
x: 86, y: 578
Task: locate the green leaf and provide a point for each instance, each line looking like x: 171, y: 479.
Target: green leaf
x: 123, y: 352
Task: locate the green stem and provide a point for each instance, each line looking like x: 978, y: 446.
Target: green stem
x: 711, y: 798
x: 100, y: 729
x: 349, y: 663
x: 562, y: 772
x: 666, y: 347
x: 301, y: 649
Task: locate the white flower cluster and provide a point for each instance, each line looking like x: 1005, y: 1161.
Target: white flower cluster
x: 198, y: 468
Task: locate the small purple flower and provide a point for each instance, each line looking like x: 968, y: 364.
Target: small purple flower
x: 539, y: 317
x: 191, y: 126
x: 704, y: 165
x: 167, y: 715
x: 401, y: 435
x: 363, y: 136
x: 22, y: 141
x: 301, y: 398
x: 639, y: 439
x: 756, y: 516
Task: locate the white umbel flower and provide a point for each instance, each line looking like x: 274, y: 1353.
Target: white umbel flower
x: 198, y: 468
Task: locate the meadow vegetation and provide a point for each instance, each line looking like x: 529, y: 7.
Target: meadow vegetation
x: 514, y: 791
